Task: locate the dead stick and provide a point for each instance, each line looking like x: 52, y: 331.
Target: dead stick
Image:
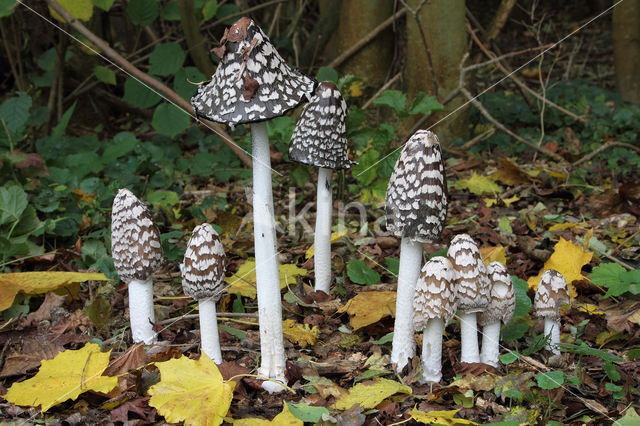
x: 219, y: 315
x: 607, y: 145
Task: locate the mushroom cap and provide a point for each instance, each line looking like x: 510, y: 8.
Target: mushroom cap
x: 473, y: 282
x: 204, y: 264
x: 135, y: 240
x: 319, y: 138
x: 252, y: 82
x: 416, y: 205
x: 436, y: 292
x: 550, y: 294
x: 503, y: 299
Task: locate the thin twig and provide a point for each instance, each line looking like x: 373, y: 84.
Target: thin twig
x: 218, y: 314
x: 382, y: 89
x: 611, y: 144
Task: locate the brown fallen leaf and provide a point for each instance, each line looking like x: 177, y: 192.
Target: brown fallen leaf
x: 139, y: 407
x: 78, y: 319
x: 131, y: 359
x: 43, y: 313
x: 27, y: 354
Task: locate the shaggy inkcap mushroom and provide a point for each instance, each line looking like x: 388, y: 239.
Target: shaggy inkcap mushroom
x: 416, y: 208
x: 319, y: 139
x: 137, y: 254
x: 434, y: 305
x: 550, y: 294
x: 202, y: 279
x: 473, y: 292
x: 500, y: 309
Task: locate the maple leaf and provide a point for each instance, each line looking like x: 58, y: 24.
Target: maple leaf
x: 191, y: 391
x: 370, y: 393
x: 301, y: 334
x: 439, y: 417
x: 66, y: 376
x: 369, y: 307
x: 478, y: 184
x: 243, y: 282
x: 492, y: 254
x: 335, y: 236
x: 568, y: 259
x: 284, y: 418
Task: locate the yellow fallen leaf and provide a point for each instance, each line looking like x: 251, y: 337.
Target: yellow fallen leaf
x: 79, y: 9
x: 566, y: 225
x: 489, y: 202
x: 284, y: 418
x: 243, y: 282
x: 493, y: 254
x: 335, y: 236
x: 369, y: 307
x: 66, y: 376
x: 301, y: 334
x: 478, y: 184
x: 568, y: 259
x: 508, y: 201
x: 370, y: 393
x: 191, y: 391
x: 439, y: 417
x: 589, y: 308
x: 355, y: 89
x: 38, y: 283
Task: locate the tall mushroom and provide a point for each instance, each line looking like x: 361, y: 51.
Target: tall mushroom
x: 550, y: 294
x: 434, y: 305
x: 252, y: 84
x: 473, y: 292
x: 137, y: 254
x: 416, y: 208
x: 500, y: 309
x: 202, y: 279
x: 319, y: 140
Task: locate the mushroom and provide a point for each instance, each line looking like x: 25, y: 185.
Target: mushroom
x: 202, y: 279
x: 319, y: 140
x: 434, y: 305
x: 137, y: 254
x: 550, y: 294
x: 416, y: 208
x: 500, y: 309
x: 252, y: 84
x: 473, y: 292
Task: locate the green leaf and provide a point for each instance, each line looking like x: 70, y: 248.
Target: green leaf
x: 615, y: 279
x: 514, y: 331
x: 166, y: 59
x: 237, y: 333
x: 15, y: 112
x: 387, y: 338
x: 425, y: 104
x: 142, y: 12
x: 327, y: 74
x: 105, y: 75
x: 366, y: 169
x: 393, y: 265
x: 7, y: 7
x: 550, y: 380
x: 305, y: 412
x: 170, y: 120
x: 122, y: 144
x: 393, y: 99
x: 171, y: 11
x: 79, y: 9
x: 631, y: 418
x: 509, y: 357
x: 61, y: 127
x: 226, y: 10
x: 186, y: 80
x: 103, y: 4
x: 209, y: 10
x: 360, y: 273
x: 13, y: 201
x: 138, y: 94
x: 523, y: 303
x: 504, y: 224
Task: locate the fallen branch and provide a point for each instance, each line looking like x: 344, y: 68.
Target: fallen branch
x: 611, y: 144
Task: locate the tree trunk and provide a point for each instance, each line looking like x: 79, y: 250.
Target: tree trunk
x: 443, y: 25
x: 626, y: 49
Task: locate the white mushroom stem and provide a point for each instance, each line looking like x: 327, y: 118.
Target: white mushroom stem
x: 432, y: 351
x: 322, y: 239
x: 552, y: 329
x: 209, y: 338
x: 469, y: 338
x: 141, y: 311
x: 490, y: 343
x: 404, y: 345
x: 267, y: 276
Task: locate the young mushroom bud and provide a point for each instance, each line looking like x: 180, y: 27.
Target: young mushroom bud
x: 202, y: 279
x: 434, y: 305
x: 473, y: 292
x: 416, y: 208
x: 137, y: 254
x: 550, y: 294
x: 500, y: 310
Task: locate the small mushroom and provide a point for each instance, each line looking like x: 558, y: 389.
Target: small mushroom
x: 434, y: 305
x: 473, y: 292
x: 319, y: 139
x: 500, y: 309
x: 202, y: 279
x: 550, y: 294
x: 137, y: 254
x: 416, y: 208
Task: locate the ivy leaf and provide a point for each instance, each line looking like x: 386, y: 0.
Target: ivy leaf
x: 393, y: 99
x: 425, y: 104
x: 142, y: 12
x: 360, y: 273
x: 550, y: 380
x: 170, y: 120
x: 166, y: 59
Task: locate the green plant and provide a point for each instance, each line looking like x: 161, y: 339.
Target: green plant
x: 616, y: 279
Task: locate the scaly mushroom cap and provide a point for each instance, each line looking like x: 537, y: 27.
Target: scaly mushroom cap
x: 550, y: 294
x: 204, y: 264
x: 436, y: 292
x: 503, y: 299
x: 472, y: 279
x: 252, y: 82
x: 320, y: 136
x: 416, y: 205
x: 135, y: 240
